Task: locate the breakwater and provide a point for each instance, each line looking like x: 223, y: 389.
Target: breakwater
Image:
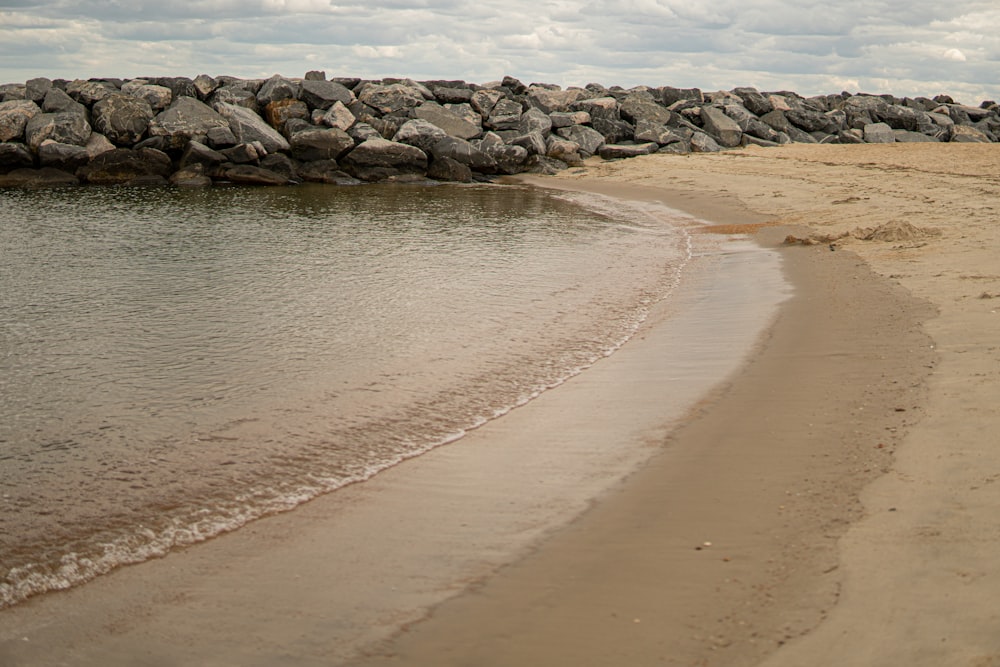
x: 281, y: 131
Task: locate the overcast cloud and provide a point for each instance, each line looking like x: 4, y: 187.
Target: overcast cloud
x: 911, y: 47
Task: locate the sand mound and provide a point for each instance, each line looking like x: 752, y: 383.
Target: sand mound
x: 894, y: 231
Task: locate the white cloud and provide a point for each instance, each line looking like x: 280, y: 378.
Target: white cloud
x: 907, y: 47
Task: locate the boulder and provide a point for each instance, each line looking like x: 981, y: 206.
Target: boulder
x: 179, y: 86
x: 506, y: 115
x: 533, y: 142
x: 14, y: 155
x: 97, y: 144
x: 548, y: 101
x: 275, y: 89
x: 325, y: 171
x: 721, y: 127
x: 509, y: 159
x: 420, y: 133
x: 376, y: 159
x: 158, y: 97
x: 200, y: 154
x: 324, y: 94
x: 36, y: 89
x: 281, y: 164
x: 966, y: 134
x: 646, y: 131
x: 280, y: 112
x: 338, y: 116
x: 563, y: 150
x: 449, y: 121
x: 464, y: 152
x: 204, y: 85
x: 248, y: 127
x: 67, y: 127
x: 669, y: 96
x: 14, y: 117
x: 908, y: 137
x: 243, y: 153
x: 641, y: 107
x: 483, y: 101
x: 446, y: 169
x: 900, y: 117
x: 568, y: 118
x: 588, y: 139
x: 702, y: 143
x: 46, y: 177
x: 186, y: 119
x: 754, y: 102
x: 320, y: 144
x: 89, y: 92
x: 247, y: 174
x: 605, y: 108
x: 618, y: 151
x: 879, y: 133
x: 123, y: 119
x: 191, y: 176
x: 67, y: 157
x: 363, y: 132
x: 391, y: 98
x: 810, y: 121
x: 535, y: 120
x: 221, y: 137
x: 236, y: 96
x: 57, y: 101
x: 452, y: 95
x: 126, y: 166
x: 543, y: 164
x: 614, y: 131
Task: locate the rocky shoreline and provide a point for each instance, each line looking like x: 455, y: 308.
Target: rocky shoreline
x: 282, y: 131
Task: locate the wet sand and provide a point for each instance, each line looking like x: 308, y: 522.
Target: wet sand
x: 833, y: 501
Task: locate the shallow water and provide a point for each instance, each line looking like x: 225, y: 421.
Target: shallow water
x: 175, y: 363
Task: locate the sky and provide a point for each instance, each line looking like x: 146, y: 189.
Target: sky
x: 902, y: 47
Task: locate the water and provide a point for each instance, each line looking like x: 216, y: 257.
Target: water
x: 176, y: 363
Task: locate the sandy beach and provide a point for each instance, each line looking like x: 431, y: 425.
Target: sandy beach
x: 832, y: 501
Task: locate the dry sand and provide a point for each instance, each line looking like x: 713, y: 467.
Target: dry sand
x: 833, y: 502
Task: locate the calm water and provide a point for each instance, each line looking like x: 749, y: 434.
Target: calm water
x: 175, y: 363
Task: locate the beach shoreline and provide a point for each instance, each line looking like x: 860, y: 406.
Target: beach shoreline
x: 832, y: 500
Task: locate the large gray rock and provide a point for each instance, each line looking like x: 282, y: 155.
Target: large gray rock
x: 754, y: 102
x: 879, y: 133
x: 179, y: 86
x: 614, y: 131
x: 204, y: 85
x: 447, y: 169
x: 67, y: 127
x: 36, y: 89
x: 462, y: 151
x: 449, y: 121
x: 192, y: 176
x: 14, y: 155
x: 548, y: 100
x: 324, y: 94
x: 247, y: 174
x: 900, y: 117
x: 721, y: 127
x: 509, y: 159
x: 325, y: 171
x: 338, y: 116
x: 616, y: 151
x: 568, y: 118
x: 281, y: 112
x: 811, y: 121
x: 277, y: 88
x: 483, y: 101
x: 57, y: 101
x: 14, y: 117
x: 533, y: 142
x: 967, y: 134
x: 702, y: 143
x: 391, y: 98
x: 535, y: 120
x: 587, y: 138
x: 377, y: 159
x: 320, y: 144
x: 249, y: 127
x: 420, y: 133
x: 641, y: 107
x: 89, y: 92
x: 605, y: 108
x: 186, y: 119
x: 123, y: 119
x: 646, y: 131
x: 46, y: 177
x: 124, y: 166
x: 67, y: 157
x: 908, y: 137
x: 564, y: 150
x: 158, y: 97
x: 236, y: 96
x: 452, y: 95
x: 669, y: 96
x: 506, y: 115
x: 198, y: 153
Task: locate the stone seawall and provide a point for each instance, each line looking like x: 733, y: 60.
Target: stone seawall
x: 281, y: 131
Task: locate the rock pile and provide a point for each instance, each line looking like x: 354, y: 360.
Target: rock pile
x: 196, y: 132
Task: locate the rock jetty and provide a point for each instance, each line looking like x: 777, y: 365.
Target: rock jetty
x: 280, y: 131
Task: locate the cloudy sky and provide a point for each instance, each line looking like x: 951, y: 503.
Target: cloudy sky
x: 906, y: 47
